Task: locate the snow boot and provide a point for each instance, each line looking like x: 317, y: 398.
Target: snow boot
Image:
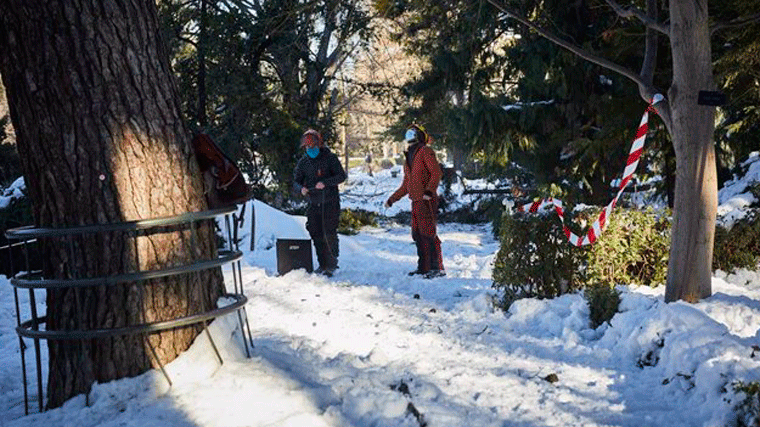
x: 432, y: 274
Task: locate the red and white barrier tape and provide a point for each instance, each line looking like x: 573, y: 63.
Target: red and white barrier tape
x: 630, y: 167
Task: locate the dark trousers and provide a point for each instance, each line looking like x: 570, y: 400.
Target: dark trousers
x: 424, y: 220
x: 322, y: 223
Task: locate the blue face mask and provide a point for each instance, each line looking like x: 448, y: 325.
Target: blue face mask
x: 410, y: 135
x: 312, y: 152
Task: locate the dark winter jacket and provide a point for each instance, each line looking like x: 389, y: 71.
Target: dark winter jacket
x: 325, y: 168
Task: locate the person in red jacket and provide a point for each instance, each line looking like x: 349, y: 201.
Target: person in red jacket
x: 422, y: 173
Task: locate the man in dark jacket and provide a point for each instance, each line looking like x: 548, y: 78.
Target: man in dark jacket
x: 317, y: 176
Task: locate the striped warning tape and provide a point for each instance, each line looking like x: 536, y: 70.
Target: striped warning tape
x: 630, y: 167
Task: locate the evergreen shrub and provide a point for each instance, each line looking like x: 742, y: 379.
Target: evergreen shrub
x: 754, y: 189
x: 603, y: 302
x: 748, y: 409
x: 633, y: 249
x: 535, y: 259
x: 351, y: 220
x: 483, y: 211
x: 739, y: 246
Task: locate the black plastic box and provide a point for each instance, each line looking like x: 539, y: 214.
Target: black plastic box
x: 293, y: 254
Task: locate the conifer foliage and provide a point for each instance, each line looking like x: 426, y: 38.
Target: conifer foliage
x: 255, y: 74
x: 587, y: 38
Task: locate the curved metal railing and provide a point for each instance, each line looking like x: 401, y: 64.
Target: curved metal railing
x: 31, y: 280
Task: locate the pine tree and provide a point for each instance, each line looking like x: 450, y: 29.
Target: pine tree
x: 269, y: 70
x: 102, y: 141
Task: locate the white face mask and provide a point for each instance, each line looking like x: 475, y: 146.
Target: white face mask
x: 410, y: 135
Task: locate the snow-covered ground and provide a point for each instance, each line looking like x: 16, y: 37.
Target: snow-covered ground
x: 373, y: 347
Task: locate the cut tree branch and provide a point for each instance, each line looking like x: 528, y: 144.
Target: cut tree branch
x: 738, y: 22
x: 632, y: 12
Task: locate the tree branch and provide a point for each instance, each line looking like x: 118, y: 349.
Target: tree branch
x: 187, y: 40
x: 646, y: 89
x: 650, y: 49
x: 632, y: 12
x: 252, y: 10
x: 588, y: 56
x: 738, y: 22
x: 324, y: 40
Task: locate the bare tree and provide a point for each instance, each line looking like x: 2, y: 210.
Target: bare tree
x: 102, y: 140
x: 689, y: 124
x: 306, y: 44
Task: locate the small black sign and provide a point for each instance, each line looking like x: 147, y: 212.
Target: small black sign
x: 707, y: 97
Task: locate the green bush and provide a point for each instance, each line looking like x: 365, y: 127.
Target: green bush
x: 535, y: 260
x: 754, y: 189
x: 603, y: 302
x: 738, y: 247
x: 633, y: 249
x: 748, y: 410
x: 352, y: 220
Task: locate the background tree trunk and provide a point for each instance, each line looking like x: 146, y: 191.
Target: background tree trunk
x: 696, y: 195
x: 102, y: 140
x: 201, y: 116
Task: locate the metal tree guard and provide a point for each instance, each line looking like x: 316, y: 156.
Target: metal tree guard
x: 31, y: 280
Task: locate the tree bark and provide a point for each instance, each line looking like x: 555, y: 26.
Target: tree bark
x: 695, y: 208
x: 101, y: 137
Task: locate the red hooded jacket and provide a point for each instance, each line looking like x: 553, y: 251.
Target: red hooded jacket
x: 421, y: 177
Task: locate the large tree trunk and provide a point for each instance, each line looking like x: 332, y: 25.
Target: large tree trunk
x: 690, y: 265
x: 102, y: 141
